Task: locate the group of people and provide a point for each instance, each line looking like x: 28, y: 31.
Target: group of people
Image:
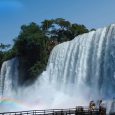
x: 92, y: 106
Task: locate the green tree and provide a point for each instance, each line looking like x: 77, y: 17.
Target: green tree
x: 46, y: 24
x: 62, y: 30
x: 4, y: 49
x: 62, y: 23
x: 76, y: 30
x: 1, y: 58
x: 30, y: 47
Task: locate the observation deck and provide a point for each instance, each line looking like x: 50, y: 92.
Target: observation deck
x: 79, y: 110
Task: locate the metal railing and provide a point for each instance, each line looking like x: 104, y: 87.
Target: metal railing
x: 79, y: 110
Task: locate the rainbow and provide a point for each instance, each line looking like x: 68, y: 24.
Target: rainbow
x: 13, y: 103
x: 10, y: 104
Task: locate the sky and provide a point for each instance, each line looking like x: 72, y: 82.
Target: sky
x: 91, y: 13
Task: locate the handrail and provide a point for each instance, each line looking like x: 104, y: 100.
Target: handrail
x: 53, y: 111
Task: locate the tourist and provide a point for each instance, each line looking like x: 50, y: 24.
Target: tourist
x: 92, y: 106
x: 102, y: 108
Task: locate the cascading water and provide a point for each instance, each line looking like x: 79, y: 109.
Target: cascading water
x: 9, y: 77
x: 77, y: 71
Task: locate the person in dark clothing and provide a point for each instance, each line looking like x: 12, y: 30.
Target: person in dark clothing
x: 102, y: 109
x: 100, y: 105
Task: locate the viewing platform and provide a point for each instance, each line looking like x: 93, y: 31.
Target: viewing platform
x: 79, y: 110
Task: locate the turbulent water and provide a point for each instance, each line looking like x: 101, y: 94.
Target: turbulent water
x: 78, y: 71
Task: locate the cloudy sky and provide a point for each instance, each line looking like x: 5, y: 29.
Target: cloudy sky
x: 91, y: 13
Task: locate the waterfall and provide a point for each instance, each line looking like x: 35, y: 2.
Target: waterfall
x: 78, y: 71
x: 87, y: 64
x: 9, y: 77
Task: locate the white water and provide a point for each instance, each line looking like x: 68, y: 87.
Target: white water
x: 78, y: 71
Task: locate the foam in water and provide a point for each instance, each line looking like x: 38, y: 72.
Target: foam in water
x: 78, y: 71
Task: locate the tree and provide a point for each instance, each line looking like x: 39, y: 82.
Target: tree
x: 93, y: 29
x: 4, y: 47
x: 76, y: 30
x: 30, y: 47
x: 46, y: 24
x: 62, y: 23
x: 62, y: 30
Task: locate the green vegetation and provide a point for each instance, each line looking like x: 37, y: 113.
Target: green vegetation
x: 5, y: 53
x: 30, y: 47
x: 34, y: 44
x: 62, y: 30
